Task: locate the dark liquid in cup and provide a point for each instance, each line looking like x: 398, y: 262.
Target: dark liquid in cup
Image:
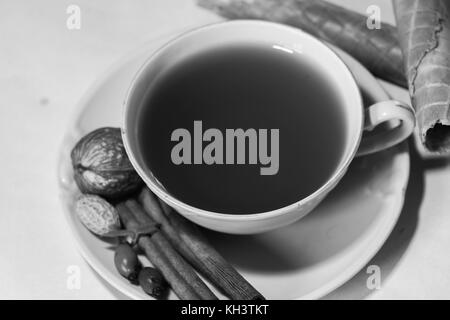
x: 255, y: 87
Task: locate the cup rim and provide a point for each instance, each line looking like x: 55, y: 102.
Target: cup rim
x: 191, y: 210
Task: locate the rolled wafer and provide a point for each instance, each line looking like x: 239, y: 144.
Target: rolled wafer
x: 424, y: 32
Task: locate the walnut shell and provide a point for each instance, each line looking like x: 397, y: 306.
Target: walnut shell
x: 101, y: 165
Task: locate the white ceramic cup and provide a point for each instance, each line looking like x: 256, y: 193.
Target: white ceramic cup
x: 296, y: 41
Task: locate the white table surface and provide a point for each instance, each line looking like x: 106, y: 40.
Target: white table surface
x: 45, y: 69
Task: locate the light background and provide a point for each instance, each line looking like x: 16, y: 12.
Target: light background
x: 44, y: 71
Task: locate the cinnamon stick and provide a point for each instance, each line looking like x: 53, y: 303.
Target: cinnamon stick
x: 179, y: 285
x: 183, y: 268
x: 377, y: 49
x: 153, y: 209
x: 424, y: 30
x: 195, y: 247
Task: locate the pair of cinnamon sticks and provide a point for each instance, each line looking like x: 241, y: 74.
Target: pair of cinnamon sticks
x: 179, y: 248
x: 414, y: 54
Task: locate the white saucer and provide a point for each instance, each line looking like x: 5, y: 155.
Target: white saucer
x: 306, y: 260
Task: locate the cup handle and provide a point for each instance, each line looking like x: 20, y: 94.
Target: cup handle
x: 381, y: 112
